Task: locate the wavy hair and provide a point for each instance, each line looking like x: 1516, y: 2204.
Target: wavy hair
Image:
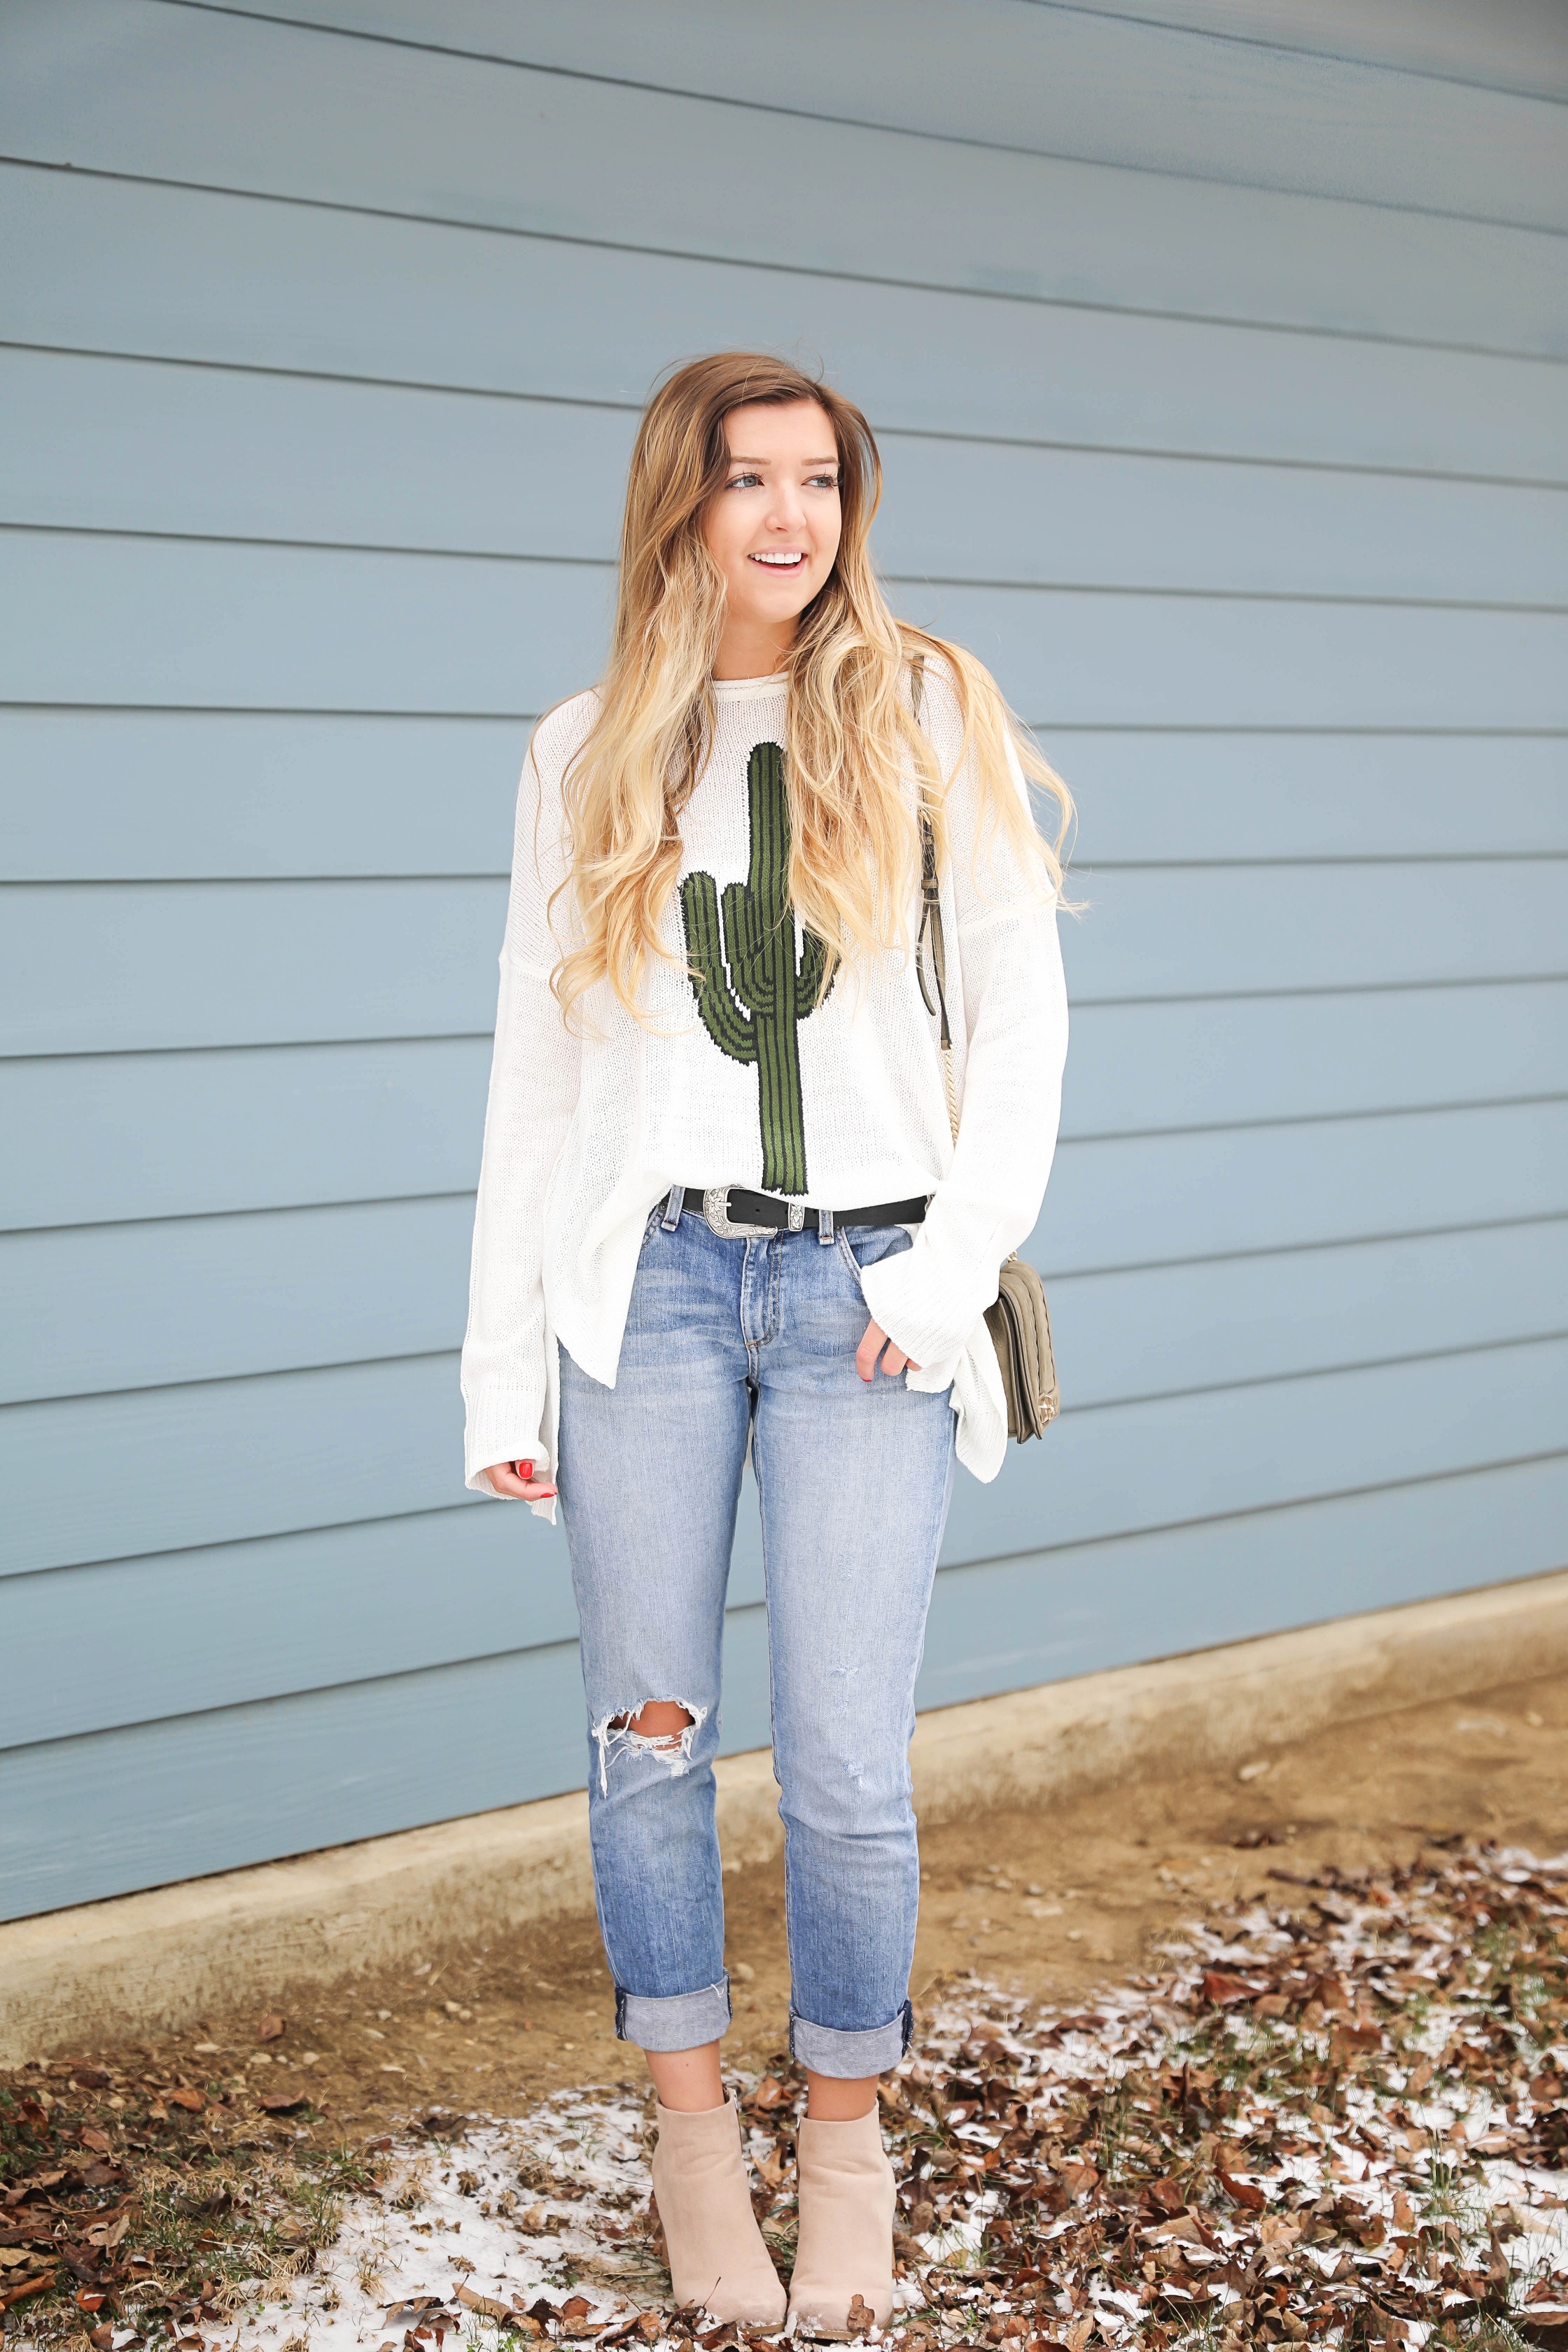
x: 852, y: 734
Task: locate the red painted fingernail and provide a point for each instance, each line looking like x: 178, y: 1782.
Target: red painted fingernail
x: 525, y: 1469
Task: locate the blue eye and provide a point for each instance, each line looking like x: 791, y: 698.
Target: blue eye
x: 743, y: 482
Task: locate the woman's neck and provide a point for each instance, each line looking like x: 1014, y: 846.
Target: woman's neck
x: 753, y: 648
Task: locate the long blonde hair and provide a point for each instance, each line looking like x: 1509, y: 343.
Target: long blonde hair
x: 852, y: 733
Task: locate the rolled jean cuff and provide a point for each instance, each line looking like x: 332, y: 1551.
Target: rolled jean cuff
x: 852, y: 2056
x: 678, y: 2021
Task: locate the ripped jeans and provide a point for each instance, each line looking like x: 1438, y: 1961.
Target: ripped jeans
x: 727, y: 1337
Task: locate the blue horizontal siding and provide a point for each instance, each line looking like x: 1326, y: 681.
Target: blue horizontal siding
x: 138, y: 446
x: 285, y: 113
x: 219, y: 1625
x: 129, y: 794
x: 315, y: 513
x: 183, y: 274
x: 1160, y: 93
x: 149, y: 966
x: 163, y: 1633
x: 220, y: 625
x: 1146, y: 1199
x: 96, y: 1308
x: 121, y: 1136
x: 89, y: 1817
x: 210, y: 1793
x: 320, y: 1448
x: 112, y: 1136
x: 92, y: 1306
x: 1007, y: 1624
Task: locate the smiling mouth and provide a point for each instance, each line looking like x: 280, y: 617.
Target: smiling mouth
x: 785, y: 561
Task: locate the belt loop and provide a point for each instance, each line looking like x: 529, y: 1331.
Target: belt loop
x: 825, y: 1226
x: 673, y: 1207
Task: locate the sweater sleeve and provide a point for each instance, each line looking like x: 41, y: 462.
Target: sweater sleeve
x: 507, y: 1375
x: 930, y: 1298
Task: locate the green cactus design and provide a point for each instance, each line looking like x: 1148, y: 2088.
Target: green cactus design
x: 751, y: 990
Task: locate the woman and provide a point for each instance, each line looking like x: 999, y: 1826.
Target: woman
x: 722, y: 1206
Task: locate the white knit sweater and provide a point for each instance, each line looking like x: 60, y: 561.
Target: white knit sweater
x: 842, y: 1106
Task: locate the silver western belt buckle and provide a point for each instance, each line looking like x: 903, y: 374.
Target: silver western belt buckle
x: 716, y: 1210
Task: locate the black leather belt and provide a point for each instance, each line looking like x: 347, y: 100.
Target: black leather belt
x: 729, y: 1206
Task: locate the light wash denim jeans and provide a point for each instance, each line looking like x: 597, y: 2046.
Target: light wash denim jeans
x: 725, y: 1336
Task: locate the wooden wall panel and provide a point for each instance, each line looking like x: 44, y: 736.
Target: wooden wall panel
x: 1080, y: 1609
x: 154, y: 794
x: 1146, y: 1200
x: 102, y: 1139
x: 1219, y: 383
x: 88, y: 1817
x: 1068, y: 81
x: 1148, y: 798
x: 124, y: 1641
x: 91, y: 1307
x: 224, y: 452
x: 323, y: 1448
x: 95, y: 1307
x: 1142, y: 1067
x: 276, y: 110
x: 96, y: 1138
x: 175, y: 1799
x: 172, y: 272
x: 222, y: 625
x: 141, y: 966
x: 1517, y: 44
x: 181, y: 1633
x: 127, y: 795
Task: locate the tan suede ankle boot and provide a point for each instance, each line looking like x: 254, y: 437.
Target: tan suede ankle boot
x: 716, y: 2257
x: 846, y: 2245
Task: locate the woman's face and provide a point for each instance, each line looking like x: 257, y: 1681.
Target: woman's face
x: 774, y: 529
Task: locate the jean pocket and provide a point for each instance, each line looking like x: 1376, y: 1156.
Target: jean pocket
x: 870, y: 1245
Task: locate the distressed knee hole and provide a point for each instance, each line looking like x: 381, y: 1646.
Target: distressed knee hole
x: 659, y: 1720
x: 659, y: 1726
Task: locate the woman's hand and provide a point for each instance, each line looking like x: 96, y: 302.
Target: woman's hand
x: 517, y: 1482
x: 873, y: 1346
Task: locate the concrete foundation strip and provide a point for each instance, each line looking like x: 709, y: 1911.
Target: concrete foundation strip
x: 111, y: 1969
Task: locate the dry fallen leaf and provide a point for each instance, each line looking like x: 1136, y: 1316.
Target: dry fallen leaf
x: 271, y: 2029
x: 1185, y: 2227
x: 25, y: 2288
x: 485, y: 2305
x: 1221, y: 1988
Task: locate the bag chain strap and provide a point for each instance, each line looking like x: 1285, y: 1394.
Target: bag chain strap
x: 931, y: 922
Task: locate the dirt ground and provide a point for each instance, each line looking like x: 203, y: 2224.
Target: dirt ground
x: 1045, y: 1903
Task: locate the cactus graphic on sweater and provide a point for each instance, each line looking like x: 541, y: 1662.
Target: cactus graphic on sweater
x: 752, y: 992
